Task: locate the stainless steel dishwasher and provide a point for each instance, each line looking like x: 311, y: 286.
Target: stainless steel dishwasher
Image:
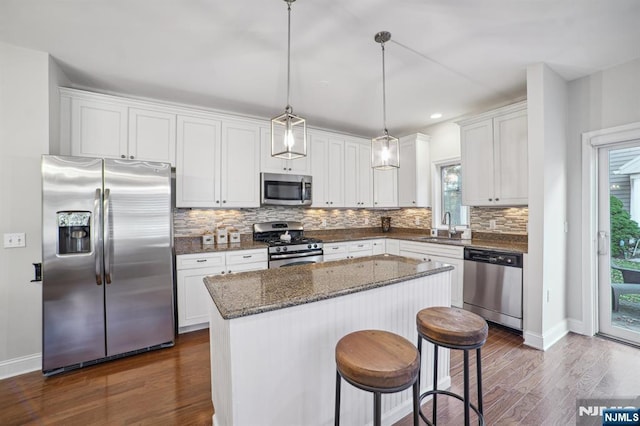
x: 492, y: 285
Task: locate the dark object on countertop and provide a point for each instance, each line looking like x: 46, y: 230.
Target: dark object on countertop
x: 386, y: 223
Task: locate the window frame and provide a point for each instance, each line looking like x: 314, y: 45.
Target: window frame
x: 436, y: 179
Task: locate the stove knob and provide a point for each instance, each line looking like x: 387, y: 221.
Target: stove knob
x: 277, y: 249
x: 284, y: 249
x: 315, y: 246
x: 309, y: 246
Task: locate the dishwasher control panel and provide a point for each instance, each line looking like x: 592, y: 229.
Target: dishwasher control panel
x: 493, y: 256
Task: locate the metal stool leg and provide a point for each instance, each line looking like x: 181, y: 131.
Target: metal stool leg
x: 435, y: 382
x: 377, y: 409
x: 336, y: 420
x: 479, y: 367
x: 419, y: 359
x: 466, y: 388
x: 416, y: 405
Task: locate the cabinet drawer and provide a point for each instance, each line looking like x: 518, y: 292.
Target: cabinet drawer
x: 432, y: 249
x: 193, y: 261
x: 247, y: 256
x: 245, y: 267
x: 330, y: 249
x: 360, y: 246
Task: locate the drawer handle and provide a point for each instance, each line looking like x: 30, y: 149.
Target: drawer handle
x: 360, y: 245
x: 201, y: 260
x: 335, y: 248
x: 248, y: 256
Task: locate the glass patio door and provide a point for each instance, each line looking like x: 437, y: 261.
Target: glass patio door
x: 619, y: 241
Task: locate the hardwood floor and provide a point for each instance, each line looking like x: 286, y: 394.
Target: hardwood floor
x: 522, y: 386
x: 165, y: 387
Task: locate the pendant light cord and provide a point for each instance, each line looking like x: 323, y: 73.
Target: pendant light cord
x: 384, y: 95
x: 288, y: 108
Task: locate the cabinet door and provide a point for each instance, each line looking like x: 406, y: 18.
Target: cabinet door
x: 193, y: 298
x: 510, y: 158
x: 456, y: 277
x: 152, y: 135
x: 335, y: 172
x: 351, y: 174
x: 240, y: 165
x: 318, y: 149
x: 198, y: 157
x: 98, y: 129
x: 407, y: 175
x: 365, y: 176
x: 335, y: 251
x: 299, y: 166
x: 385, y: 188
x: 269, y: 164
x: 379, y: 246
x: 392, y: 247
x: 476, y: 145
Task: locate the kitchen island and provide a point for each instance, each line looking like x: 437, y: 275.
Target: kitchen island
x: 273, y: 335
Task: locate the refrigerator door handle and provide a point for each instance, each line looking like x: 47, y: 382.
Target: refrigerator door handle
x: 97, y: 237
x: 107, y: 238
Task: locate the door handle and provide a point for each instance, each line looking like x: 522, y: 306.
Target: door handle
x: 603, y: 243
x: 107, y: 238
x: 303, y: 191
x: 97, y: 236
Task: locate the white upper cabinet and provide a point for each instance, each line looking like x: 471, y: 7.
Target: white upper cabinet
x: 152, y: 135
x: 217, y: 163
x: 385, y: 188
x: 110, y: 127
x: 358, y: 175
x: 240, y: 163
x: 414, y: 174
x: 494, y: 157
x: 327, y: 168
x: 269, y: 164
x: 99, y: 128
x: 198, y: 159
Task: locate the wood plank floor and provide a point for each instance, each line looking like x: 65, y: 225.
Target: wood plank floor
x: 522, y: 386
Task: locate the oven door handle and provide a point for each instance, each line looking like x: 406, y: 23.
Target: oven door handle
x: 294, y: 255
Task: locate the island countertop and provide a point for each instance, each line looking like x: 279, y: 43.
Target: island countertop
x: 250, y: 293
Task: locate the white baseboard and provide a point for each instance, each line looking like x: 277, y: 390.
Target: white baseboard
x: 576, y: 326
x: 548, y: 339
x: 17, y: 366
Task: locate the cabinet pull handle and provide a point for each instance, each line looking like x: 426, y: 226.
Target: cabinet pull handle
x: 201, y: 260
x: 131, y: 157
x: 497, y: 199
x: 224, y: 201
x: 248, y: 256
x: 335, y: 248
x: 123, y: 156
x: 217, y: 201
x: 490, y: 199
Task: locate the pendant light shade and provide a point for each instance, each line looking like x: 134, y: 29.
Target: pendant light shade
x: 385, y: 153
x: 288, y: 131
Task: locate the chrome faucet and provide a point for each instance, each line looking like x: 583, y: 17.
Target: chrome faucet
x: 452, y: 232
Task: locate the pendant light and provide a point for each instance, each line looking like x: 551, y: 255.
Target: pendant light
x: 288, y: 131
x: 384, y: 149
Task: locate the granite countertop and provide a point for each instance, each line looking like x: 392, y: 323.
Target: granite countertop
x: 505, y: 242
x: 193, y: 245
x: 249, y: 293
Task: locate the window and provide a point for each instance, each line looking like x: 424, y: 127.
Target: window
x: 448, y: 194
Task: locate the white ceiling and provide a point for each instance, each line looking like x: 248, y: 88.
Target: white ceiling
x: 453, y: 57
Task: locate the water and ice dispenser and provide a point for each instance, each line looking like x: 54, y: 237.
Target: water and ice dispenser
x: 74, y: 232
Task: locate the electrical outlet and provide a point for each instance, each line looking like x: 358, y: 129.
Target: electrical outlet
x: 14, y: 240
x: 492, y: 224
x: 417, y: 221
x: 324, y: 223
x: 366, y: 220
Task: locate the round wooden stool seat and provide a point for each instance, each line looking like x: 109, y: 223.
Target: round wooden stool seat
x: 452, y: 327
x: 377, y: 359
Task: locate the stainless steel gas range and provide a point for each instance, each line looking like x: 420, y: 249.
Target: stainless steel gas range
x: 287, y: 244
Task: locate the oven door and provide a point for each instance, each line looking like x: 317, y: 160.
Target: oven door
x: 293, y: 259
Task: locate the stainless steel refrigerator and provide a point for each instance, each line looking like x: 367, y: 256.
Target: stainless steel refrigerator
x: 107, y: 260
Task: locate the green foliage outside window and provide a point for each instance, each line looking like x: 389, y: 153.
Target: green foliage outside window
x: 624, y: 231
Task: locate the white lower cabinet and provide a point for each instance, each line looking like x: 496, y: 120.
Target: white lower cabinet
x: 440, y: 253
x: 193, y: 298
x: 353, y: 249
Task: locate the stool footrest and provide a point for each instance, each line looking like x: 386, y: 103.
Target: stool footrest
x: 448, y: 393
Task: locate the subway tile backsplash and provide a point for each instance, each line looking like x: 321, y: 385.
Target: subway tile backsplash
x: 194, y: 222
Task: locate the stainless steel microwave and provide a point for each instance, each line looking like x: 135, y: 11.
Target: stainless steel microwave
x: 285, y: 190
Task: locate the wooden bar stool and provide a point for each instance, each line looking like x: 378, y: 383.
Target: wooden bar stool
x: 453, y: 328
x: 380, y: 362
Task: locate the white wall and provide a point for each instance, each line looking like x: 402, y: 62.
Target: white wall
x: 605, y: 99
x: 24, y: 137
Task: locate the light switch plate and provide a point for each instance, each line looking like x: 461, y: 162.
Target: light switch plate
x: 16, y: 239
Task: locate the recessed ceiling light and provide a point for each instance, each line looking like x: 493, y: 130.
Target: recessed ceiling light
x: 436, y: 115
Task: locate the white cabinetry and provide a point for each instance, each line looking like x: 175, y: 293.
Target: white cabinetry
x: 193, y: 297
x: 414, y: 174
x: 335, y: 251
x: 353, y: 249
x: 494, y: 157
x: 385, y: 188
x: 327, y: 168
x: 111, y: 127
x: 440, y: 253
x: 358, y: 175
x: 269, y: 164
x: 217, y: 163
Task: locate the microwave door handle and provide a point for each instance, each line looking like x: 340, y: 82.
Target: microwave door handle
x: 303, y: 192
